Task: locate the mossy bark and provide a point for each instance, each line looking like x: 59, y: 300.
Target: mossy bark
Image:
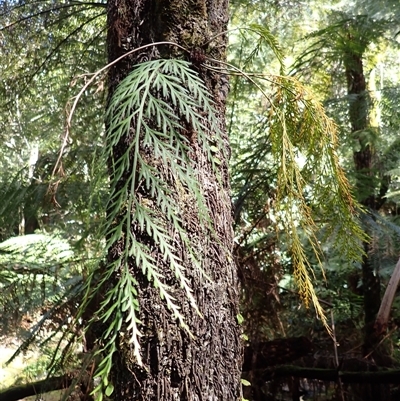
x: 177, y: 366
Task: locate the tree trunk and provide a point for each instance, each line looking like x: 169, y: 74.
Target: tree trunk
x: 366, y: 188
x: 363, y: 160
x: 382, y: 318
x: 177, y: 366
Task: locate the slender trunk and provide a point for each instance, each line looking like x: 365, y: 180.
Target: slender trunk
x: 366, y: 186
x: 382, y: 319
x: 363, y: 160
x: 177, y: 366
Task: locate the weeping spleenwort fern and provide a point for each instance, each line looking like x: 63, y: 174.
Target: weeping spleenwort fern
x: 294, y: 137
x: 312, y: 186
x: 150, y: 107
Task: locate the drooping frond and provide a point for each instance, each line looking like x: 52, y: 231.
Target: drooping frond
x: 294, y: 139
x: 154, y: 106
x: 311, y: 184
x: 265, y: 40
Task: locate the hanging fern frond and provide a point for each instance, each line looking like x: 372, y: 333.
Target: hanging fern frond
x: 296, y: 140
x: 311, y: 185
x: 154, y: 106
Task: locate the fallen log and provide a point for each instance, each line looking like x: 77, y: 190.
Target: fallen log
x: 42, y: 386
x: 276, y: 352
x: 371, y: 377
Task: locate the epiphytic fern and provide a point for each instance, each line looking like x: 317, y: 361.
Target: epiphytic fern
x: 152, y: 106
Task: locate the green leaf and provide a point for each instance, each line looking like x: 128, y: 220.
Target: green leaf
x: 109, y: 389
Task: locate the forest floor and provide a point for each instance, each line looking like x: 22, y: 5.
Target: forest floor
x: 9, y: 373
x: 21, y: 369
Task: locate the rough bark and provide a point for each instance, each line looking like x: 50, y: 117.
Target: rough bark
x: 358, y: 371
x: 176, y: 366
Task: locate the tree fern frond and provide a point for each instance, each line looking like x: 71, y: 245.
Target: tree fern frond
x: 59, y: 302
x: 385, y: 222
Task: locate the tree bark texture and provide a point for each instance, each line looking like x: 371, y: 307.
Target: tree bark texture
x: 176, y: 366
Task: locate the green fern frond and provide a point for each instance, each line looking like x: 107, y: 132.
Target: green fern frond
x: 154, y: 106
